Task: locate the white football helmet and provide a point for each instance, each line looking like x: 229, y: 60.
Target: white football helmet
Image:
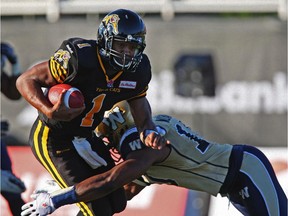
x: 116, y: 121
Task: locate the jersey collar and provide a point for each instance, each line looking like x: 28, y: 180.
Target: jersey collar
x: 110, y: 82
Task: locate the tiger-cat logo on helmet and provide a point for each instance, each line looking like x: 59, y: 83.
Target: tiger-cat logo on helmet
x: 112, y: 21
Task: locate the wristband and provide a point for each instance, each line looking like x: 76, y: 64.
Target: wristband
x: 146, y: 132
x: 64, y: 196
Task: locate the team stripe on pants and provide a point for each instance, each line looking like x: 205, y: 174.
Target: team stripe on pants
x: 40, y: 139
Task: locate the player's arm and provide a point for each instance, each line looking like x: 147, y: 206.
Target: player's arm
x: 142, y: 114
x: 29, y: 85
x: 135, y: 165
x: 99, y: 185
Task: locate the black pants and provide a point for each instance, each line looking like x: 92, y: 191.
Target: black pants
x: 62, y: 161
x: 256, y: 190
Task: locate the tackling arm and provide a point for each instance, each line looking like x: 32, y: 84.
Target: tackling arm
x: 97, y: 186
x: 132, y: 168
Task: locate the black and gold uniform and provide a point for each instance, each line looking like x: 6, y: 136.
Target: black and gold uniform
x: 77, y: 62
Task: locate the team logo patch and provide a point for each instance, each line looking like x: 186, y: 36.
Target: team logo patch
x: 83, y: 45
x: 112, y: 21
x: 62, y: 57
x: 128, y: 84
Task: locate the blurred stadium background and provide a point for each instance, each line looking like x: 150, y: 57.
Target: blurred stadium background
x: 220, y: 66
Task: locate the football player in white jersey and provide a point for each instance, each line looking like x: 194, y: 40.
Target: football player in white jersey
x: 241, y: 173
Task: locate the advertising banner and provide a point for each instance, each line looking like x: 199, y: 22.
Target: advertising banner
x: 153, y: 200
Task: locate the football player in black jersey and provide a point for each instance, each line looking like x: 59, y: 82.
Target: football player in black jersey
x: 107, y: 70
x: 240, y: 172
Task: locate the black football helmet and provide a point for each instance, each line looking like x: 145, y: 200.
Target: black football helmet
x: 126, y: 26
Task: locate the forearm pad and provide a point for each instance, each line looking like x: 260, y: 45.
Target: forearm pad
x: 64, y: 197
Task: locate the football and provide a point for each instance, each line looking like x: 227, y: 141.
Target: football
x: 73, y: 97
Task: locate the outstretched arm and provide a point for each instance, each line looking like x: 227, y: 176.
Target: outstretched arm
x: 101, y: 185
x: 98, y: 186
x: 135, y: 165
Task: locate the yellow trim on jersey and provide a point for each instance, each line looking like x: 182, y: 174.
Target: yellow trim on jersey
x: 54, y: 172
x: 58, y: 72
x: 104, y: 70
x: 142, y: 94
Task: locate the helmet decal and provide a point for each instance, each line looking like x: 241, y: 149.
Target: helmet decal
x: 111, y: 21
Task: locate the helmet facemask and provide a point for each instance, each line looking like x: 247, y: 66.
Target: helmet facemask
x: 125, y: 61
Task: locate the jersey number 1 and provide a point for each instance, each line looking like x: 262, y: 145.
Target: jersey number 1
x: 87, y: 121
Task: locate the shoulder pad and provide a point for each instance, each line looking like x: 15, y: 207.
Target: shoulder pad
x: 85, y: 52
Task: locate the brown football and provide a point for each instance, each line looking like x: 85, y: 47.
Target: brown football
x: 73, y: 97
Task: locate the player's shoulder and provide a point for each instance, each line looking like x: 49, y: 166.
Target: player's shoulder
x: 77, y: 44
x: 130, y: 141
x: 83, y: 50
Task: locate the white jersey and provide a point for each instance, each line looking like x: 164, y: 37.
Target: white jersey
x: 193, y: 163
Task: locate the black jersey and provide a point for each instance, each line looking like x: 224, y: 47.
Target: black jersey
x: 77, y: 62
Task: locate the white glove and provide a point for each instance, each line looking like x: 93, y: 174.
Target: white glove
x: 49, y: 186
x: 41, y: 206
x: 10, y: 183
x: 83, y: 147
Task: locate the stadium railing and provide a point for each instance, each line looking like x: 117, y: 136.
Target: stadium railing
x: 53, y: 9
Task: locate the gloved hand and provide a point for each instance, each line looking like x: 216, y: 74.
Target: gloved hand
x: 41, y: 206
x: 10, y: 183
x: 49, y: 186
